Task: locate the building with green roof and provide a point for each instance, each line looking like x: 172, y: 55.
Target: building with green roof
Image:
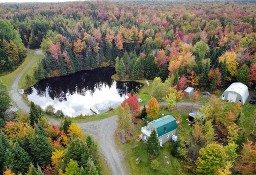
x: 165, y: 128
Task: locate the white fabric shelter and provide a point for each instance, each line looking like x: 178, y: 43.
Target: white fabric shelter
x: 236, y: 92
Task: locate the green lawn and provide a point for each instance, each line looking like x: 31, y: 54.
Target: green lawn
x: 9, y: 78
x: 134, y: 150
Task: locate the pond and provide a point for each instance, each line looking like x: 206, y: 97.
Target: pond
x: 84, y: 92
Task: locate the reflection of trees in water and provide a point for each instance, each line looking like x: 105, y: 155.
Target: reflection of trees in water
x: 126, y: 87
x: 80, y: 83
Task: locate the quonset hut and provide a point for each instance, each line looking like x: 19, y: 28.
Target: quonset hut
x: 236, y: 92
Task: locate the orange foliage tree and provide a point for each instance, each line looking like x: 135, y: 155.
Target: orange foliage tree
x: 153, y: 108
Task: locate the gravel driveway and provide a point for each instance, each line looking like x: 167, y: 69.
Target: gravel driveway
x: 14, y: 94
x: 103, y: 132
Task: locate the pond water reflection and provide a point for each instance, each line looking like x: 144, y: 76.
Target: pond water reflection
x: 82, y: 92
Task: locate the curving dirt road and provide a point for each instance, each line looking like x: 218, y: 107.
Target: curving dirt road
x: 15, y: 96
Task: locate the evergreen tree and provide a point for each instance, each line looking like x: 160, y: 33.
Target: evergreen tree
x: 75, y: 151
x: 4, y: 145
x: 4, y: 99
x: 35, y: 113
x: 224, y: 72
x: 153, y: 146
x: 120, y: 68
x: 143, y: 113
x: 89, y: 142
x: 17, y: 159
x: 92, y: 169
x: 33, y: 171
x: 41, y: 150
x: 66, y: 125
x: 150, y: 69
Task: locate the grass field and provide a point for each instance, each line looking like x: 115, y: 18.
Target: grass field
x: 9, y: 78
x: 134, y: 150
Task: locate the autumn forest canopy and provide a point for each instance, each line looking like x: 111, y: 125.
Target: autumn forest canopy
x: 206, y: 44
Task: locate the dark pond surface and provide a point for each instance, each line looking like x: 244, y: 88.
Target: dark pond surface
x: 82, y: 92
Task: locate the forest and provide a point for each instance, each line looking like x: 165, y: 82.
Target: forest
x: 206, y: 45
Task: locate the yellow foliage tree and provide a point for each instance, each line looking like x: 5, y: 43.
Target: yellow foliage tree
x: 78, y: 46
x: 57, y: 158
x: 8, y: 171
x: 230, y: 59
x: 153, y: 108
x: 75, y: 131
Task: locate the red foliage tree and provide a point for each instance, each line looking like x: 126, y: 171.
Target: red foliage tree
x: 182, y: 83
x: 252, y: 72
x: 247, y: 163
x: 133, y: 103
x: 161, y: 58
x: 55, y: 50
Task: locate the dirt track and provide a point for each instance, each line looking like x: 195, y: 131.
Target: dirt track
x: 14, y: 94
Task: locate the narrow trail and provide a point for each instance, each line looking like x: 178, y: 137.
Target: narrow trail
x: 15, y: 96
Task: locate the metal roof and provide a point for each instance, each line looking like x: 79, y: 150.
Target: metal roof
x: 189, y: 89
x: 164, y: 125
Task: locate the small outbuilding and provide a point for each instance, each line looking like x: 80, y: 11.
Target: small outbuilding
x: 189, y: 91
x: 165, y: 128
x: 236, y: 92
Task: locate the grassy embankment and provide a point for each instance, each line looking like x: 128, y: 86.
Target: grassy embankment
x: 23, y: 83
x: 10, y: 77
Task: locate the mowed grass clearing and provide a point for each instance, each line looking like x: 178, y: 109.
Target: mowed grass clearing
x: 138, y: 150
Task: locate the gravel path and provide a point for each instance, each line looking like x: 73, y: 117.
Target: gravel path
x: 15, y: 96
x: 103, y: 131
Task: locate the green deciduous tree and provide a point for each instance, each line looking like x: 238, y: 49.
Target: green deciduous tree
x: 201, y: 48
x: 72, y: 168
x: 170, y: 99
x: 211, y: 158
x: 124, y: 118
x: 242, y: 74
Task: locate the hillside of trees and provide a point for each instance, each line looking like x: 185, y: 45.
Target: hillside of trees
x: 30, y: 144
x: 205, y: 44
x: 12, y: 50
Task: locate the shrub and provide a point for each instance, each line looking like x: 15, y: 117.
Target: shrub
x: 50, y: 110
x: 155, y: 164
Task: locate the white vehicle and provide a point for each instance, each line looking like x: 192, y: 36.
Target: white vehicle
x: 140, y: 100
